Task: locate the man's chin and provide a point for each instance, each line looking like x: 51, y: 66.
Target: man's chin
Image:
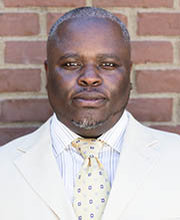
x: 89, y: 119
x: 87, y: 124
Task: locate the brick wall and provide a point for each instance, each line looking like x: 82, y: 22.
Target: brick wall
x: 154, y: 26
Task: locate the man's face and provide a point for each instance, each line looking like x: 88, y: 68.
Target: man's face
x: 88, y: 70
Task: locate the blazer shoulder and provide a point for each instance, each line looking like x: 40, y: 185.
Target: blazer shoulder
x: 167, y: 140
x: 9, y: 150
x: 162, y: 137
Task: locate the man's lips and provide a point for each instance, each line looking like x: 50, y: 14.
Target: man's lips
x: 89, y: 99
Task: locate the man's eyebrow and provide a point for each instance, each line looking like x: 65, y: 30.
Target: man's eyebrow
x: 69, y: 55
x: 99, y: 56
x: 109, y: 55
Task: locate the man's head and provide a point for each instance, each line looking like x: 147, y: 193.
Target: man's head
x: 88, y: 70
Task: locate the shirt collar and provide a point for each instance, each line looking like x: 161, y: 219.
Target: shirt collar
x: 62, y: 136
x: 114, y: 136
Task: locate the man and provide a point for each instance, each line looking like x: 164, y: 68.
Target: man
x: 88, y: 82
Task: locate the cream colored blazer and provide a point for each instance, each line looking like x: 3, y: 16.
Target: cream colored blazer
x: 146, y: 186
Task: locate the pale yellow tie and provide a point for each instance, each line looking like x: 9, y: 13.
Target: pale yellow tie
x: 92, y: 186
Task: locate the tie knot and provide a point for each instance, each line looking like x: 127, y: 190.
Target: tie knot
x: 88, y: 148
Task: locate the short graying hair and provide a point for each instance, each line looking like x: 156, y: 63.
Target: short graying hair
x: 88, y: 12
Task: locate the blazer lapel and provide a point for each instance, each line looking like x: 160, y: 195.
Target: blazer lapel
x: 138, y: 157
x: 38, y: 166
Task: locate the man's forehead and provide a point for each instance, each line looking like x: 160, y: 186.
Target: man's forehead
x: 80, y: 35
x: 87, y: 12
x: 78, y: 23
x: 89, y: 27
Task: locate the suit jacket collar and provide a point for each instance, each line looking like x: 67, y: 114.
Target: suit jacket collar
x: 38, y: 166
x: 138, y: 158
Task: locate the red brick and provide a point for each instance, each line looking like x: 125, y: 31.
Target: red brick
x: 145, y: 110
x: 19, y: 80
x: 8, y: 134
x: 11, y: 24
x: 134, y: 3
x: 44, y: 3
x: 152, y: 52
x: 174, y: 129
x: 25, y: 110
x: 159, y: 24
x: 157, y: 81
x: 25, y: 52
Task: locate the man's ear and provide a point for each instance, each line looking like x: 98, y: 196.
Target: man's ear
x: 130, y: 66
x: 46, y: 70
x: 46, y: 67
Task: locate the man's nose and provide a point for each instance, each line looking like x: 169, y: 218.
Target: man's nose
x: 89, y: 77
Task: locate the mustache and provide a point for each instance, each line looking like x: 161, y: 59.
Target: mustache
x: 89, y: 92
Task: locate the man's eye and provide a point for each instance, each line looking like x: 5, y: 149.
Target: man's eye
x: 108, y: 65
x: 72, y: 65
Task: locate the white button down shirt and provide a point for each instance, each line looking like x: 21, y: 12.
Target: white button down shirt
x: 70, y: 162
